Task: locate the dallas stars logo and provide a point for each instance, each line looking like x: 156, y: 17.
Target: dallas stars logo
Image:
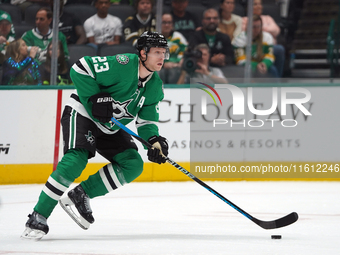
x: 90, y: 137
x: 122, y: 59
x: 120, y: 110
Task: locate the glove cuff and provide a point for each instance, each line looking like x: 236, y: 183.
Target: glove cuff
x: 153, y: 139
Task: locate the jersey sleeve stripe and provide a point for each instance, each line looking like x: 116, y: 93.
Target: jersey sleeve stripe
x: 140, y: 122
x: 86, y: 66
x: 78, y: 67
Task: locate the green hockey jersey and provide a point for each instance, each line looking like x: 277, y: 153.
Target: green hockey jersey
x: 118, y: 75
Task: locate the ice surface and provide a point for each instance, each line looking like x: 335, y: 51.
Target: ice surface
x: 182, y: 218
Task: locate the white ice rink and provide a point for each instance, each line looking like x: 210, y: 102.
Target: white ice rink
x: 182, y: 218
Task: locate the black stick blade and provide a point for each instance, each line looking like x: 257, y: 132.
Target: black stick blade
x: 279, y: 223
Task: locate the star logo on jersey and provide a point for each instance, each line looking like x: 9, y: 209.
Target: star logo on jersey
x: 137, y: 92
x: 122, y: 59
x: 90, y: 137
x: 120, y: 110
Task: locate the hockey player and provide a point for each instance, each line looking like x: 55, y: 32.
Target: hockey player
x: 125, y: 87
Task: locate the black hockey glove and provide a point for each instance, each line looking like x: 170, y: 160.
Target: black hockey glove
x: 102, y: 108
x: 160, y: 151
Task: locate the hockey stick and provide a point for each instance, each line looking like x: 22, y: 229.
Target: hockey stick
x: 281, y: 222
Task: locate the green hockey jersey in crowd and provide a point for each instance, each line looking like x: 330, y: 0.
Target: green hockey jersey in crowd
x: 118, y: 75
x: 34, y: 38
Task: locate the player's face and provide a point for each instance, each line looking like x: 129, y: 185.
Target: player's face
x: 155, y: 59
x: 144, y: 7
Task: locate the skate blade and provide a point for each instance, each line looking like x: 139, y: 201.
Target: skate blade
x: 67, y: 205
x: 32, y: 234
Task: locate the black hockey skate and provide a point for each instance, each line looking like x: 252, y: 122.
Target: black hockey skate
x: 36, y: 227
x: 78, y: 198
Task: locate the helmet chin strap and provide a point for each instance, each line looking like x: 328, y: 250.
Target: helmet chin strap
x: 143, y: 63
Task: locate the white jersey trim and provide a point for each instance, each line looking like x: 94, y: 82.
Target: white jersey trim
x: 73, y: 125
x: 140, y: 122
x: 55, y: 184
x: 78, y: 70
x: 112, y: 174
x: 86, y: 66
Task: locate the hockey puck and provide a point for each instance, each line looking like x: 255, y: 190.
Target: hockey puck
x: 276, y: 236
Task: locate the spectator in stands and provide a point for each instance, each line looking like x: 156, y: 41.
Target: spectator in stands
x: 221, y: 49
x: 262, y: 50
x: 70, y: 25
x: 230, y: 24
x: 12, y: 32
x: 177, y: 45
x: 5, y: 34
x: 63, y: 74
x: 270, y: 26
x: 103, y: 28
x: 23, y: 4
x: 42, y: 34
x: 20, y: 68
x: 184, y: 21
x: 143, y: 20
x: 204, y: 72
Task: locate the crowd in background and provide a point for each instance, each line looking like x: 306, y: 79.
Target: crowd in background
x: 201, y: 46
